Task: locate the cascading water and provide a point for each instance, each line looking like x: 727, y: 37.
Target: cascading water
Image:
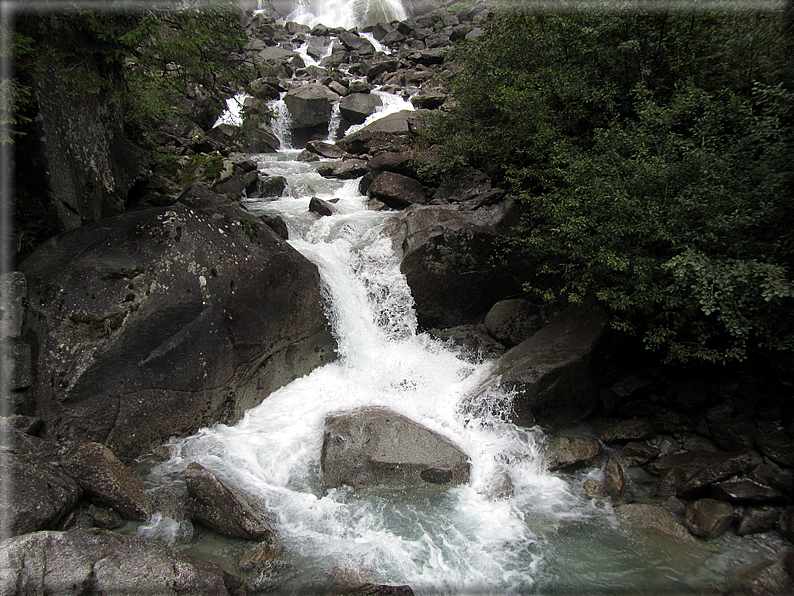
x: 347, y: 13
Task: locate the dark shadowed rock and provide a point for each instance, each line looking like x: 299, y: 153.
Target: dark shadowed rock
x: 42, y: 494
x: 614, y: 480
x: 446, y: 260
x: 269, y: 186
x: 108, y: 481
x: 778, y: 447
x: 378, y: 590
x: 636, y: 429
x: 224, y: 508
x: 555, y: 373
x: 321, y: 207
x: 397, y: 191
x: 379, y: 448
x: 158, y: 322
x: 637, y: 453
x: 713, y: 468
x: 512, y: 321
x: 100, y: 562
x: 346, y: 170
x: 474, y: 343
x: 324, y: 149
x: 572, y: 452
x: 745, y: 491
x: 708, y: 518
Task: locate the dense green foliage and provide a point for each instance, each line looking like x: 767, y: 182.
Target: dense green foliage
x: 654, y: 153
x: 150, y: 59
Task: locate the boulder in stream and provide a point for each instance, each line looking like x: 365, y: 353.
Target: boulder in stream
x: 101, y: 562
x: 158, y: 322
x: 555, y: 373
x: 377, y: 448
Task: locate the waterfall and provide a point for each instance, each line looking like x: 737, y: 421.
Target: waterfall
x: 333, y: 123
x: 281, y: 122
x: 348, y: 13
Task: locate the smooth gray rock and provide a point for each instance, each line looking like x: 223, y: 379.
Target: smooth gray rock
x: 100, y: 562
x: 224, y: 508
x: 324, y: 149
x: 159, y: 322
x: 555, y: 373
x: 310, y: 105
x: 771, y: 577
x: 41, y: 494
x: 377, y: 448
x: 356, y: 107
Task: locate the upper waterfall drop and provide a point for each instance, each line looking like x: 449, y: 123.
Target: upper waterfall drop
x: 348, y: 13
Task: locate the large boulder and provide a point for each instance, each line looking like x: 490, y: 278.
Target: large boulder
x: 555, y: 373
x: 108, y: 481
x: 41, y: 494
x: 446, y: 254
x: 381, y: 449
x: 159, y: 322
x: 310, y: 105
x: 357, y: 106
x: 224, y: 508
x: 397, y: 191
x: 101, y: 562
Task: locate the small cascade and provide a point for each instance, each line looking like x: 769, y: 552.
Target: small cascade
x: 333, y: 123
x: 281, y: 122
x: 347, y: 13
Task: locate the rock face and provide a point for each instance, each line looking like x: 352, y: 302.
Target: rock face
x: 357, y: 106
x: 156, y: 323
x: 555, y: 372
x: 42, y: 494
x: 223, y: 508
x: 396, y: 191
x: 380, y: 449
x: 86, y: 562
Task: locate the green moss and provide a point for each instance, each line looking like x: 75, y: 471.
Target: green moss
x: 251, y: 228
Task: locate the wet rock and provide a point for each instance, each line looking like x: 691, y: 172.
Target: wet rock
x: 771, y: 577
x: 134, y: 313
x: 571, y: 452
x: 224, y: 508
x: 708, y: 518
x: 380, y: 449
x: 614, y: 481
x: 638, y: 453
x: 715, y: 467
x: 655, y: 520
x: 99, y: 562
x: 269, y: 186
x: 472, y: 340
x: 346, y: 170
x: 779, y: 447
x: 324, y: 149
x: 636, y: 429
x: 108, y: 481
x: 512, y: 321
x: 43, y: 494
x: 745, y: 491
x: 378, y: 590
x: 320, y: 207
x: 785, y: 524
x: 669, y: 483
x: 356, y: 107
x: 555, y: 372
x: 734, y: 435
x: 396, y: 191
x: 754, y: 520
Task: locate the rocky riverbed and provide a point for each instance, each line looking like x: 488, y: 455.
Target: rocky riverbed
x: 188, y: 310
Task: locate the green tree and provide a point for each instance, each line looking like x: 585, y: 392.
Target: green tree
x: 653, y: 154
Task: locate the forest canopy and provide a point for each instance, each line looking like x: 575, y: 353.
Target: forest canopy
x: 653, y: 154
